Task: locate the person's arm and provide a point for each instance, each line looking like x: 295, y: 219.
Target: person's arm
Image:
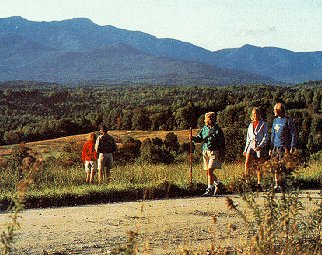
x: 247, y: 139
x: 265, y: 136
x: 198, y: 138
x: 293, y: 133
x: 272, y: 140
x: 113, y: 144
x: 83, y: 152
x: 96, y: 144
x: 273, y: 135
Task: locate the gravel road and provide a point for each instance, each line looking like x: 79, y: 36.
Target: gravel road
x: 163, y: 226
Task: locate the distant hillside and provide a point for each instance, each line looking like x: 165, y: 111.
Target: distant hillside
x: 78, y: 50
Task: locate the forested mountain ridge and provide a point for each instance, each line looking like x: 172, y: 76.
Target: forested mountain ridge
x: 51, y: 45
x: 52, y: 110
x: 280, y: 64
x: 115, y: 64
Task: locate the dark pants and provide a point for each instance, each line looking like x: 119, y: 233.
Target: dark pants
x: 279, y: 152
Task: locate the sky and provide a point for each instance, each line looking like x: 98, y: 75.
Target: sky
x: 295, y: 25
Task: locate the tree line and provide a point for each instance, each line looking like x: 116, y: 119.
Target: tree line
x: 37, y: 112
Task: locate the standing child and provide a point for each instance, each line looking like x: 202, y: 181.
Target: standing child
x: 213, y: 149
x: 89, y: 157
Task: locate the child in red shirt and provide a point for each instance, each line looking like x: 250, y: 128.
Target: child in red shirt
x: 89, y: 157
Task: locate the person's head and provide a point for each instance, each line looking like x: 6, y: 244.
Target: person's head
x: 256, y: 114
x: 92, y: 137
x: 279, y: 110
x: 103, y: 129
x: 210, y: 118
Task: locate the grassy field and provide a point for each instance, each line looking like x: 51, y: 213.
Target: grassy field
x: 58, y: 182
x: 53, y: 146
x: 48, y: 181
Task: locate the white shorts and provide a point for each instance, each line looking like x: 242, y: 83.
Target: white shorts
x: 105, y: 160
x: 90, y: 166
x: 211, y: 160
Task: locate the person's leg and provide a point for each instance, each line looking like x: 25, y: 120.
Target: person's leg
x: 210, y: 178
x: 93, y: 171
x: 216, y: 183
x: 247, y: 163
x: 88, y: 177
x: 108, y: 166
x: 259, y: 175
x: 210, y: 174
x: 100, y: 167
x: 91, y: 179
x: 87, y: 171
x: 275, y: 155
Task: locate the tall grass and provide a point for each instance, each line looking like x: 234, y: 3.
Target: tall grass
x: 68, y: 177
x: 277, y: 226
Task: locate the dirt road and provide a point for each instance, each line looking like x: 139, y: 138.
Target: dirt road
x: 163, y: 226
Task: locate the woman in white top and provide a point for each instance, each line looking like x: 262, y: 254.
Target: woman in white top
x: 257, y: 137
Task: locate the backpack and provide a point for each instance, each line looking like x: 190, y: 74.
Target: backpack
x: 106, y: 144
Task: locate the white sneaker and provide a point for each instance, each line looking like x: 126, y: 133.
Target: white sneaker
x: 208, y: 192
x: 216, y: 189
x: 277, y: 188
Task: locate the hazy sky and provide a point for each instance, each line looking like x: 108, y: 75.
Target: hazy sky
x: 212, y: 24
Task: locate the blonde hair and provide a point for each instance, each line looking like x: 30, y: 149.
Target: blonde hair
x: 259, y: 113
x: 211, y: 116
x: 92, y: 137
x: 280, y: 108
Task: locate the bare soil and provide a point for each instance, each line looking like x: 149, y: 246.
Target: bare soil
x: 162, y: 226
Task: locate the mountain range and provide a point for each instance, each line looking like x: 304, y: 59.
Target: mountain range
x: 79, y: 51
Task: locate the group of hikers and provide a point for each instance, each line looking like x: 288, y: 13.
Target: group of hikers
x: 97, y: 153
x: 283, y: 140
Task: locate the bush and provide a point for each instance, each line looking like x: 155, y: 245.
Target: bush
x: 129, y: 151
x: 235, y: 142
x: 154, y: 151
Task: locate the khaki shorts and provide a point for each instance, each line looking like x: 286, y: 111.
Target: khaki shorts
x: 211, y: 160
x: 105, y: 160
x: 90, y: 166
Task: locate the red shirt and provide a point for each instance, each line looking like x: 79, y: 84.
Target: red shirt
x: 255, y: 123
x: 89, y: 153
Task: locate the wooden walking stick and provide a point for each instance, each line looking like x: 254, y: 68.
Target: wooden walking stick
x: 190, y: 156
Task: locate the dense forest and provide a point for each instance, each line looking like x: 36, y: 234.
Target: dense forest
x: 31, y: 111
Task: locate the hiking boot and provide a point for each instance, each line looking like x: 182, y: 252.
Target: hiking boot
x: 208, y: 192
x: 277, y: 188
x: 217, y: 188
x: 259, y: 188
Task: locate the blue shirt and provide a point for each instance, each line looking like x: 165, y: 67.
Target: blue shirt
x: 283, y: 133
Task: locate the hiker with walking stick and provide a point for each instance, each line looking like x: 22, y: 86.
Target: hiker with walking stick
x: 213, y: 151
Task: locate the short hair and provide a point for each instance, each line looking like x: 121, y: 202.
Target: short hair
x: 211, y: 115
x: 103, y: 128
x: 281, y: 108
x: 258, y: 111
x: 92, y: 137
